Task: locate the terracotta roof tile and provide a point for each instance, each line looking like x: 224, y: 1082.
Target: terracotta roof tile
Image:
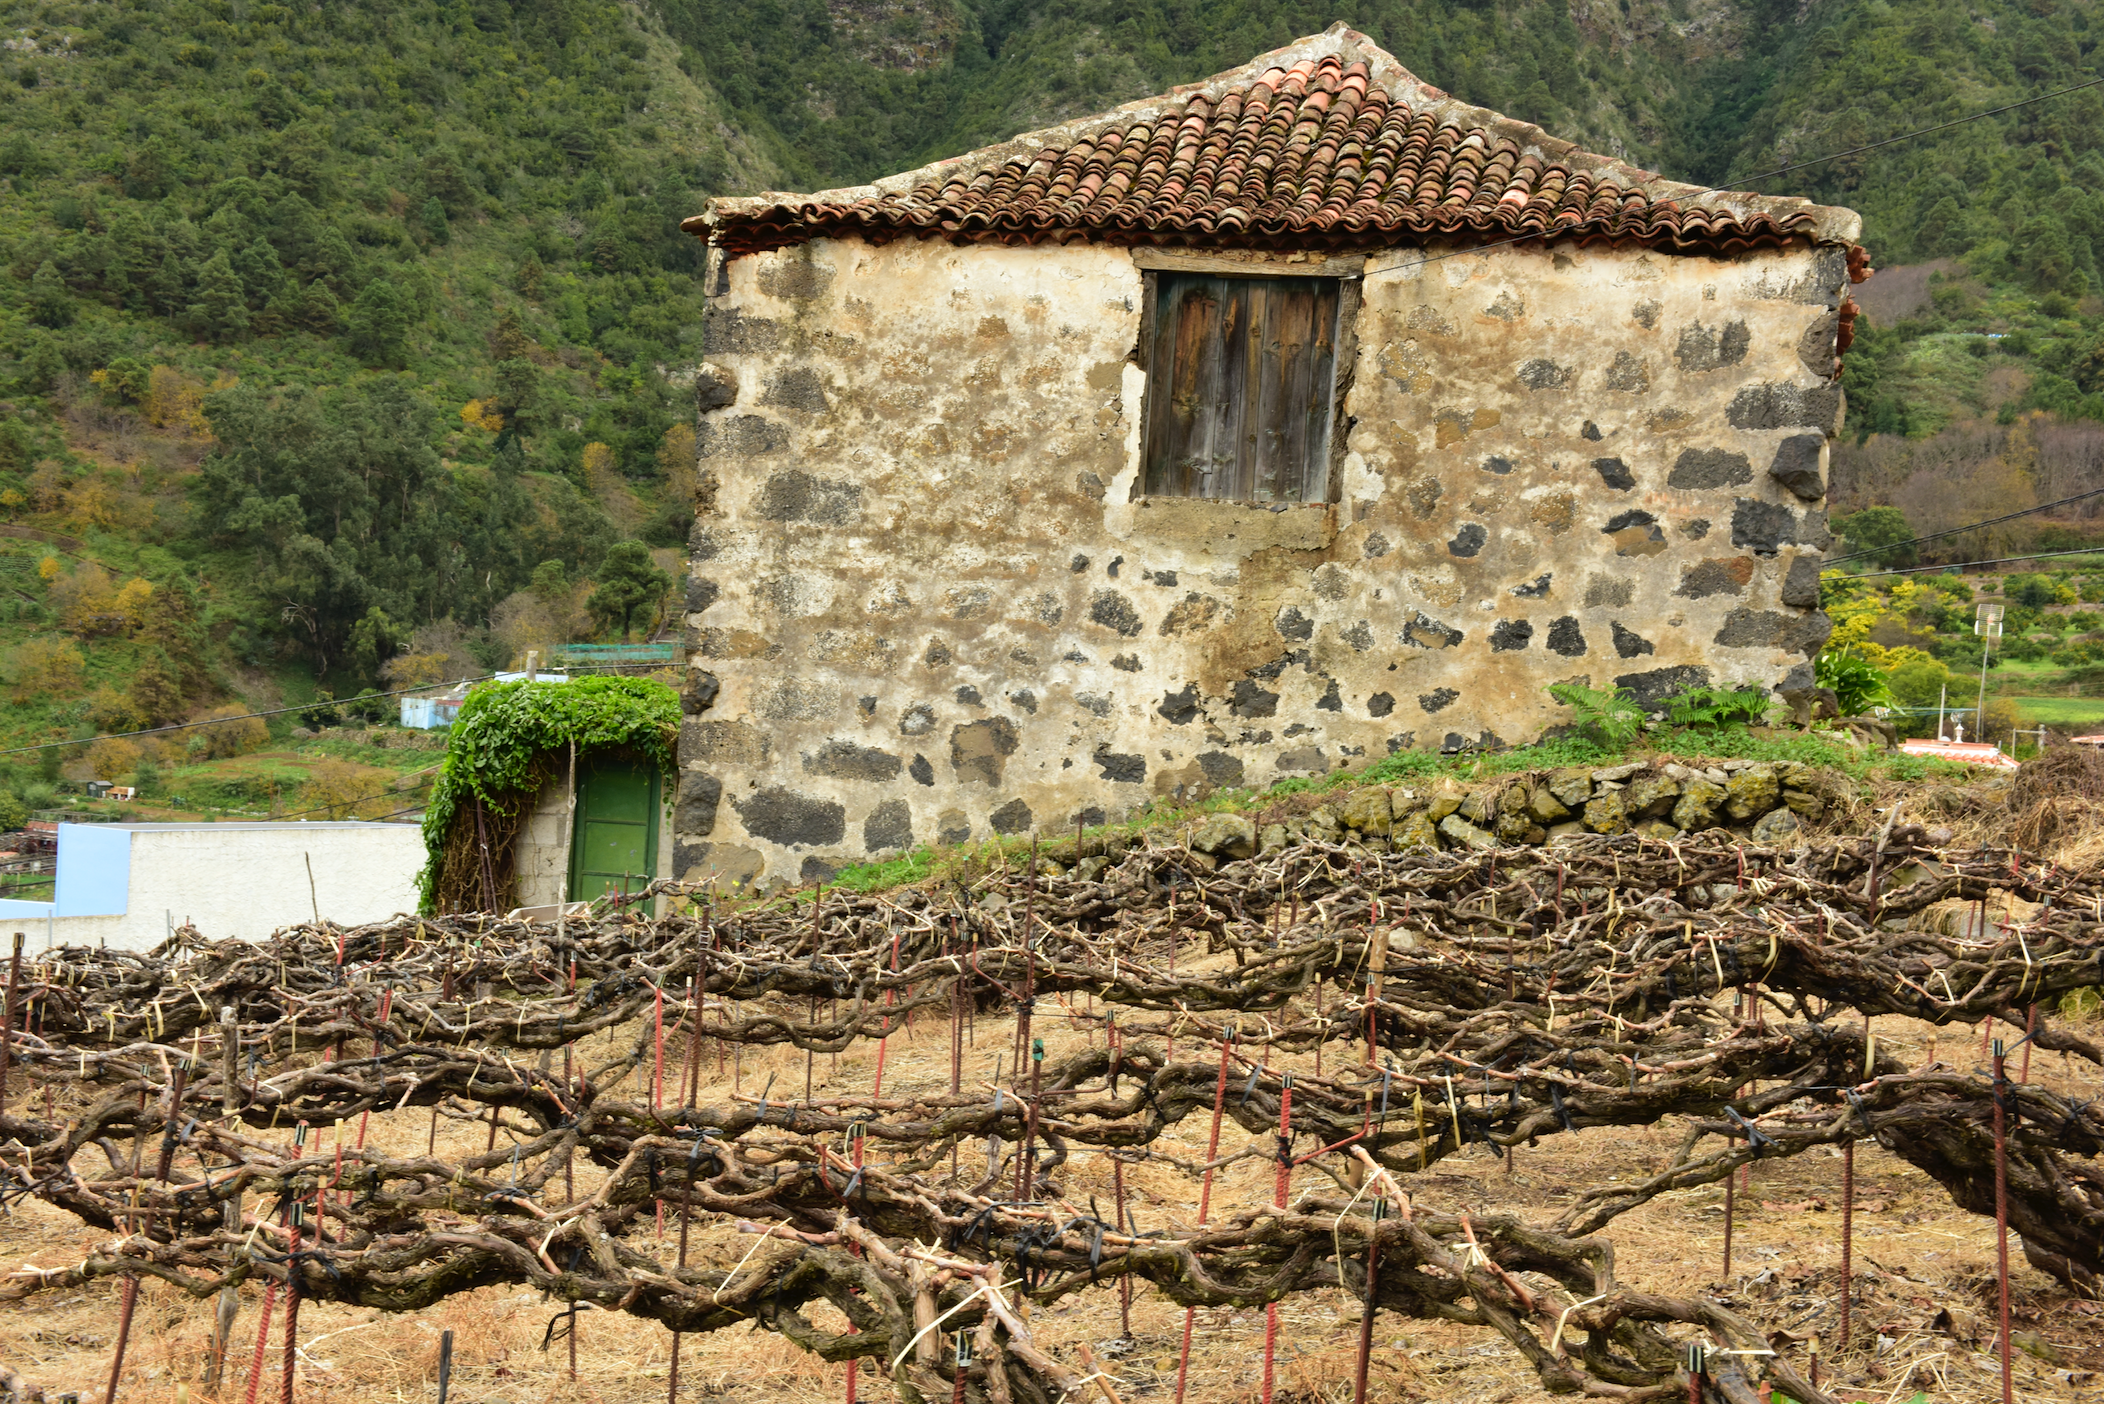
x: 1328, y: 143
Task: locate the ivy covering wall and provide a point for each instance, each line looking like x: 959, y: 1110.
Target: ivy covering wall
x: 508, y: 742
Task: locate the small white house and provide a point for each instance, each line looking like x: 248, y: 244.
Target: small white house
x: 127, y: 886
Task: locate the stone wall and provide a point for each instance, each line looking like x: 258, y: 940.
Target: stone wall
x: 925, y: 606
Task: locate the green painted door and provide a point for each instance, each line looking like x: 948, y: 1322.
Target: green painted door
x: 616, y: 838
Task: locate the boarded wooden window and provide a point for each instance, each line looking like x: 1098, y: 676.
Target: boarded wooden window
x: 1240, y: 381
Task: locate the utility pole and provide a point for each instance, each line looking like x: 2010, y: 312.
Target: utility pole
x: 1987, y: 623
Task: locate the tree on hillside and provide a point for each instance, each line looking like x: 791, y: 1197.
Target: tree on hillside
x: 628, y: 582
x: 220, y: 313
x: 377, y: 326
x: 50, y: 301
x: 1874, y: 528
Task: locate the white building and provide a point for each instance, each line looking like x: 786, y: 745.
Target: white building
x: 127, y: 886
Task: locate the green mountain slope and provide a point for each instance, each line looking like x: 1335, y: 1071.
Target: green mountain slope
x: 362, y: 332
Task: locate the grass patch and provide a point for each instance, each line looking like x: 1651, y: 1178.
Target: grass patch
x: 2060, y: 711
x: 1161, y: 818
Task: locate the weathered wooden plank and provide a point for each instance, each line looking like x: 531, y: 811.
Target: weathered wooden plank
x: 1239, y: 382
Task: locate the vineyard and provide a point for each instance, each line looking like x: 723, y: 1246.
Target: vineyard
x: 619, y: 1114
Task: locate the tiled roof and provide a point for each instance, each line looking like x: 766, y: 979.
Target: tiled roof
x: 1328, y: 143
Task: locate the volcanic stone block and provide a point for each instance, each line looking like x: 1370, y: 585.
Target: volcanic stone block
x: 1777, y: 828
x: 1464, y: 834
x: 1796, y: 465
x: 783, y: 816
x: 1545, y: 807
x: 1751, y: 792
x: 1650, y: 795
x: 1605, y: 814
x: 889, y: 825
x: 1368, y: 811
x: 1572, y: 784
x: 695, y: 810
x: 1698, y: 805
x: 1417, y: 831
x: 1225, y: 836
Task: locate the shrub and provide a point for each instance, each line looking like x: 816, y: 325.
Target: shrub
x: 112, y: 758
x: 227, y: 738
x: 43, y: 667
x: 2037, y: 591
x: 1857, y: 686
x: 1920, y: 683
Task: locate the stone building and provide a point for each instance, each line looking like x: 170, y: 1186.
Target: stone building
x: 1268, y: 426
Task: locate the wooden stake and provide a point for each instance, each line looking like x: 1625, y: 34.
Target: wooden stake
x: 1373, y: 1260
x: 1117, y: 1170
x: 7, y: 1017
x: 1848, y: 1232
x: 2001, y: 1214
x: 1730, y: 1181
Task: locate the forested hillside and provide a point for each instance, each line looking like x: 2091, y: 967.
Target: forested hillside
x: 351, y: 339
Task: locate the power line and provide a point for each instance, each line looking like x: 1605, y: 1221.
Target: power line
x: 245, y: 716
x: 1789, y: 167
x: 1973, y: 526
x: 2005, y: 560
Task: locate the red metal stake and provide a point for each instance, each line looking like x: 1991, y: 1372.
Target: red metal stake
x: 657, y: 1071
x: 1278, y: 1201
x: 1205, y: 1202
x: 124, y: 1321
x: 292, y: 1307
x: 255, y: 1366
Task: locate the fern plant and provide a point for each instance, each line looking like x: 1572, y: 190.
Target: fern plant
x: 1612, y: 718
x: 1718, y: 706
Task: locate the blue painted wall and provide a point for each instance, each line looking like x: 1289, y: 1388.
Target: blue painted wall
x: 94, y: 870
